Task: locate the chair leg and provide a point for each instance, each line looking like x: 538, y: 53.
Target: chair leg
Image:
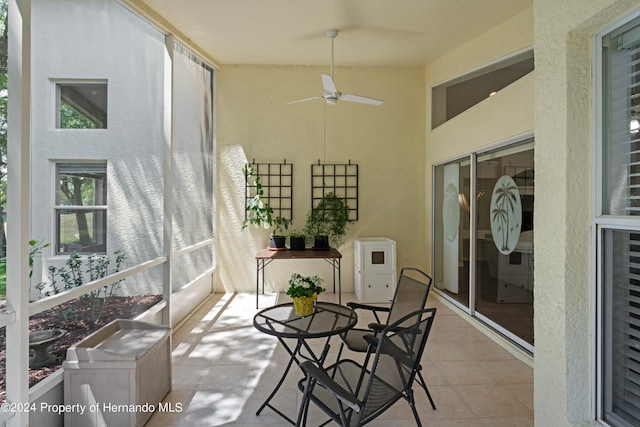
x: 423, y: 384
x: 304, y: 405
x: 340, y: 351
x: 412, y: 404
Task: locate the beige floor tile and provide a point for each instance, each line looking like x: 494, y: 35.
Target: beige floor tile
x: 487, y: 401
x: 466, y: 334
x: 447, y: 400
x: 438, y: 351
x: 464, y: 372
x: 456, y: 422
x: 487, y: 350
x: 524, y: 392
x: 223, y: 369
x: 507, y: 422
x: 509, y: 371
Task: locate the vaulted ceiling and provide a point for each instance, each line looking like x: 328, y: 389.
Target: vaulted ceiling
x: 372, y: 32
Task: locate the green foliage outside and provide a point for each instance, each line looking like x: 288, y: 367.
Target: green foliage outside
x: 3, y: 278
x: 71, y: 118
x: 88, y: 308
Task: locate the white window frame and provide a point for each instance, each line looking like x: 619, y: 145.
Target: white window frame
x: 99, y: 124
x: 602, y: 222
x: 58, y: 207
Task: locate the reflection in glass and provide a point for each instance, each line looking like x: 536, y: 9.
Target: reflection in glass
x: 504, y: 206
x: 452, y: 189
x: 82, y: 106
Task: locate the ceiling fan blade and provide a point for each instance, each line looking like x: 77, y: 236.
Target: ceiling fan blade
x: 328, y: 84
x: 304, y: 100
x: 360, y: 99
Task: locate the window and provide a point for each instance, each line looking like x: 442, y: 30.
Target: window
x: 81, y: 105
x: 618, y: 224
x: 455, y: 96
x: 81, y: 208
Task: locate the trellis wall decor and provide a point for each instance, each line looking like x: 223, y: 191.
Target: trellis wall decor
x: 340, y: 179
x: 277, y: 184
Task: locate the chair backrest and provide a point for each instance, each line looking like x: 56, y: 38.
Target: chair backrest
x: 397, y: 359
x: 411, y: 293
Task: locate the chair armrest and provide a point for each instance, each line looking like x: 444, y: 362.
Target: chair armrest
x: 371, y: 340
x: 373, y: 308
x: 377, y: 327
x: 321, y: 377
x: 358, y: 306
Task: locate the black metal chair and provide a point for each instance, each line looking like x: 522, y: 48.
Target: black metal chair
x: 353, y: 395
x: 410, y: 295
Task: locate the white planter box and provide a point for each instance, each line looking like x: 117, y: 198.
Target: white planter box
x: 118, y: 374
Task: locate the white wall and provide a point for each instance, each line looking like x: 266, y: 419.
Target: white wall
x: 387, y: 142
x: 102, y: 40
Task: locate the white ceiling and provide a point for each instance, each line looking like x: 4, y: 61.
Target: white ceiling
x: 372, y: 32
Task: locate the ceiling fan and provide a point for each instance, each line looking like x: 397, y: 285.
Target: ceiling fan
x: 331, y: 94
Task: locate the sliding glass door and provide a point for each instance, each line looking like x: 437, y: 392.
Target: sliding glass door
x: 504, y: 245
x: 483, y: 245
x: 452, y: 190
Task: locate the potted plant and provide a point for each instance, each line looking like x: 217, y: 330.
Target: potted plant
x: 261, y: 215
x: 304, y: 290
x: 328, y: 221
x: 297, y: 240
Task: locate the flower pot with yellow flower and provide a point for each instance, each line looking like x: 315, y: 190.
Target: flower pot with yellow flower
x: 304, y: 291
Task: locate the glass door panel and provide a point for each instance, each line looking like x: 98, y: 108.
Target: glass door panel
x: 504, y: 244
x: 451, y: 233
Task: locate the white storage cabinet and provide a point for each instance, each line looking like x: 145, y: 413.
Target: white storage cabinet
x: 120, y: 373
x: 375, y: 269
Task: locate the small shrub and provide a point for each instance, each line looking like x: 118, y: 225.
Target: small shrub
x: 90, y: 306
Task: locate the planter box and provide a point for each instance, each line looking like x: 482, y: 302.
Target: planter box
x: 120, y: 374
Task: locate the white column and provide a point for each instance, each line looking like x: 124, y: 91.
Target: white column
x: 18, y: 204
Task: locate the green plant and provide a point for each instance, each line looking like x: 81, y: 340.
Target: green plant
x: 259, y: 213
x: 297, y: 233
x: 329, y: 218
x: 3, y: 278
x: 90, y: 306
x: 304, y: 286
x: 36, y: 247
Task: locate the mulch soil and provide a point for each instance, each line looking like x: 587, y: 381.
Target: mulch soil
x: 76, y: 327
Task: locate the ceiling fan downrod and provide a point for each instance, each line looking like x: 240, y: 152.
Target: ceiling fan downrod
x: 332, y: 34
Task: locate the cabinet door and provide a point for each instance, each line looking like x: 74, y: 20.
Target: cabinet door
x: 378, y: 257
x: 378, y: 287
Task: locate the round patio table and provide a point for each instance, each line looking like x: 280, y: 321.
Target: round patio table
x: 328, y: 319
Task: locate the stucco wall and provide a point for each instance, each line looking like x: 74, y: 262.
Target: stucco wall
x: 499, y: 118
x: 564, y: 291
x: 387, y: 142
x: 121, y: 49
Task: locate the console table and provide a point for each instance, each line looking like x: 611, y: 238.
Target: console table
x: 265, y: 257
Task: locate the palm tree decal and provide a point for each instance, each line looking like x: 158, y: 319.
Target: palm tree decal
x: 505, y: 204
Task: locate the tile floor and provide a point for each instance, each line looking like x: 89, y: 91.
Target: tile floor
x: 223, y: 369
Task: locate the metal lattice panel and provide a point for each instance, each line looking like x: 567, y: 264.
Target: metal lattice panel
x: 340, y: 179
x: 277, y: 185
